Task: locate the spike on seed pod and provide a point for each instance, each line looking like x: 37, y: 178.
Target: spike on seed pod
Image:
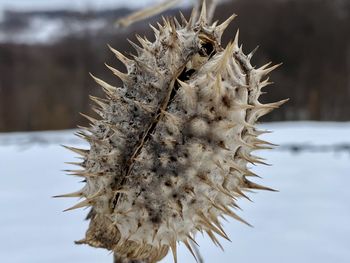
x: 172, y: 155
x: 220, y: 29
x: 126, y: 61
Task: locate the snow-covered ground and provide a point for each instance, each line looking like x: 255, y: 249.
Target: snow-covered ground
x: 80, y: 5
x: 45, y: 29
x: 307, y: 221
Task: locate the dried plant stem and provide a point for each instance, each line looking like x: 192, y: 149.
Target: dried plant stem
x: 159, y: 8
x: 212, y: 4
x: 118, y: 259
x: 146, y: 13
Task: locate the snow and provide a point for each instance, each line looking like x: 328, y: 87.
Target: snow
x: 46, y: 30
x: 43, y: 29
x: 30, y: 5
x: 307, y: 221
x: 77, y: 5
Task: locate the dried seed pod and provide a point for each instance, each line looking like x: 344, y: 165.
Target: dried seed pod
x: 169, y: 154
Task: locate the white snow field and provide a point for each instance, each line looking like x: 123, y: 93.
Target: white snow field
x: 43, y: 29
x: 25, y: 5
x: 307, y: 221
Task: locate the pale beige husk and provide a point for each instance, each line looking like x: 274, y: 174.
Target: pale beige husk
x: 170, y: 152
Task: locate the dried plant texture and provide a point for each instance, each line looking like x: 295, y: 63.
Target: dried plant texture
x: 146, y: 13
x: 170, y: 153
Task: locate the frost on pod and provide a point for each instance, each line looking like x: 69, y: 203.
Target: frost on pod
x: 170, y: 151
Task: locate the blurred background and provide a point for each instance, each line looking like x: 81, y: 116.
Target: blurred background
x: 47, y: 49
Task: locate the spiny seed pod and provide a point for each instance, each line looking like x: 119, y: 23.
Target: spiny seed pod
x: 170, y: 152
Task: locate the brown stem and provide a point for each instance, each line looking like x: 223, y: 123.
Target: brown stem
x: 119, y: 259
